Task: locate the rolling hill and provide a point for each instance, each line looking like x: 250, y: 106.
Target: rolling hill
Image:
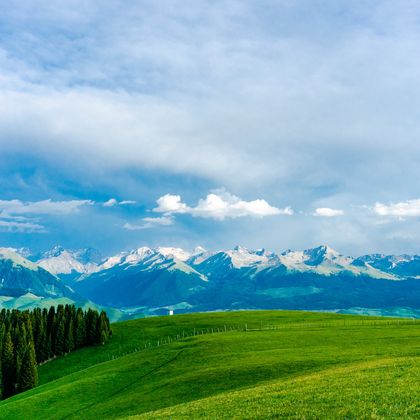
x: 238, y: 364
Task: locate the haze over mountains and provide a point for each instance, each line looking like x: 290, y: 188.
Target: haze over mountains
x: 147, y: 281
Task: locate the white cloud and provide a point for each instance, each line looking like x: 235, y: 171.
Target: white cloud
x: 21, y: 227
x: 227, y: 94
x: 170, y: 203
x: 327, y: 212
x: 112, y: 202
x: 229, y: 206
x: 134, y: 104
x: 14, y: 207
x: 12, y: 211
x: 220, y: 206
x: 149, y: 222
x: 409, y: 208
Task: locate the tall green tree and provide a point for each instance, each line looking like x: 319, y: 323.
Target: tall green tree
x: 69, y: 336
x: 28, y: 338
x: 29, y: 373
x: 80, y: 329
x: 60, y: 337
x: 8, y: 367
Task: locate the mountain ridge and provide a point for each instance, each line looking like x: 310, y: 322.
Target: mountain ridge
x: 147, y: 281
x: 322, y: 259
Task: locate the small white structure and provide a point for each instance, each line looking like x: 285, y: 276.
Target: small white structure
x: 170, y: 312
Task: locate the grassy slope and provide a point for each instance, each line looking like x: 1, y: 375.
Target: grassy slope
x: 301, y: 357
x: 384, y: 388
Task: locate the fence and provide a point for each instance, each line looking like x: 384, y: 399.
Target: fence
x: 162, y: 341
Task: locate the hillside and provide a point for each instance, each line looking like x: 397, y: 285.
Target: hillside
x: 224, y: 364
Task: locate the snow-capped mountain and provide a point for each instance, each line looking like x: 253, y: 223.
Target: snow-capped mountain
x: 143, y: 276
x: 321, y: 260
x: 315, y: 278
x: 324, y: 260
x: 19, y: 276
x: 399, y: 265
x: 145, y: 280
x: 221, y: 263
x: 67, y: 263
x: 26, y: 285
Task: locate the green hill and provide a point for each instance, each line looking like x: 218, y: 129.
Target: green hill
x: 239, y: 364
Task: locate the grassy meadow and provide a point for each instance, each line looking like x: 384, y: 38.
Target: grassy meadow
x: 259, y: 364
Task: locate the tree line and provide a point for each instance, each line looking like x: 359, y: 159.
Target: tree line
x: 29, y: 338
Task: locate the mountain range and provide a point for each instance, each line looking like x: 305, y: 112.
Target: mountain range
x: 147, y: 281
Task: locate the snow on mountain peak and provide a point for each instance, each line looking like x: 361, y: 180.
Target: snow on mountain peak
x: 17, y: 259
x: 53, y: 252
x: 177, y: 253
x: 242, y: 257
x: 321, y: 260
x: 198, y: 250
x: 323, y: 253
x: 134, y: 256
x: 61, y: 261
x: 241, y: 249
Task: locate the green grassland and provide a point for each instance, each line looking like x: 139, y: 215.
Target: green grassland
x: 260, y: 364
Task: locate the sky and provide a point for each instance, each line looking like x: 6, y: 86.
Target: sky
x: 278, y: 124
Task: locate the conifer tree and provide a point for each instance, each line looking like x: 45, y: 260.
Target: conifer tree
x: 103, y: 328
x: 20, y: 344
x: 69, y: 336
x: 60, y: 337
x: 29, y: 374
x: 28, y: 338
x: 80, y: 329
x: 8, y: 367
x: 42, y: 352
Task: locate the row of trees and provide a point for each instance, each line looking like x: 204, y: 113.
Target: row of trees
x: 28, y: 338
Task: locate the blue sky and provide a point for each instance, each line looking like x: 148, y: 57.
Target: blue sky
x: 275, y: 124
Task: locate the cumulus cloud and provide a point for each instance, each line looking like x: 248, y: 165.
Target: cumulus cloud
x: 170, y: 203
x: 149, y: 222
x: 229, y: 206
x: 327, y: 212
x: 409, y: 208
x: 221, y: 205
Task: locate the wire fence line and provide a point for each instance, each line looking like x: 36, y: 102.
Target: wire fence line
x: 262, y: 326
